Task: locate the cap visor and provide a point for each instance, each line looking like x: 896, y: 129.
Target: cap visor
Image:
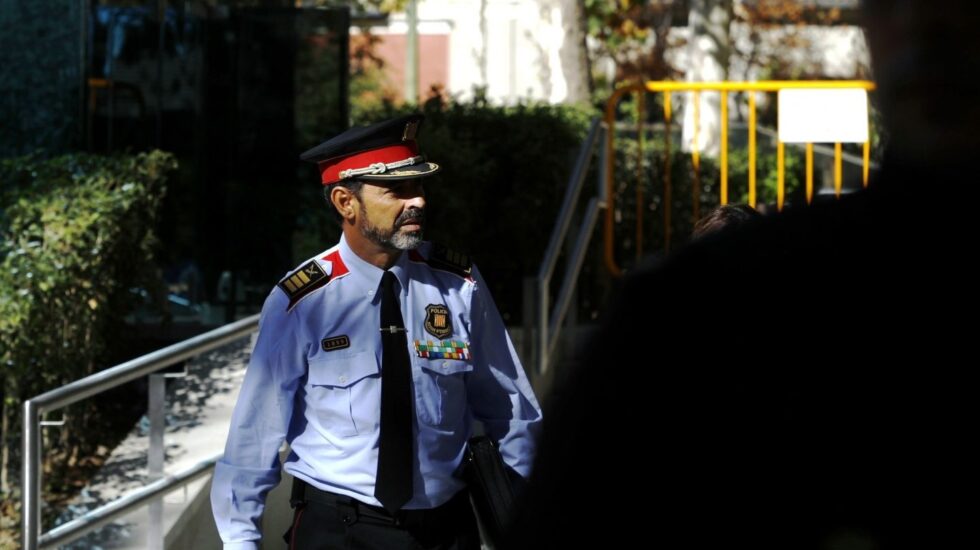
x: 419, y: 170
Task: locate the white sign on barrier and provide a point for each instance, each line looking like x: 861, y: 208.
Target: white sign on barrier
x: 823, y: 116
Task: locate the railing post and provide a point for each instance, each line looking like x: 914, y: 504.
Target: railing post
x: 31, y: 482
x: 155, y: 457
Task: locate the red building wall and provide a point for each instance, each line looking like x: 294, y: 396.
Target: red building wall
x: 433, y: 61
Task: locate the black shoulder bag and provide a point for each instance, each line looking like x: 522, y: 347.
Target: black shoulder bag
x: 490, y: 486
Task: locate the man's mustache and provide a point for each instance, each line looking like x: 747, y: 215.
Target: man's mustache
x: 413, y: 215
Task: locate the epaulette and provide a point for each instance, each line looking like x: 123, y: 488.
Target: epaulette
x: 303, y: 281
x: 449, y: 260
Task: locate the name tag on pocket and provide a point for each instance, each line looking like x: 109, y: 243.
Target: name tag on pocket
x: 335, y: 343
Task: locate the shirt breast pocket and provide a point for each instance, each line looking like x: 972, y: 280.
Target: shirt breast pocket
x: 343, y: 391
x: 441, y: 391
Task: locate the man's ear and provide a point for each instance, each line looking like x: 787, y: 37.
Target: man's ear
x: 345, y: 202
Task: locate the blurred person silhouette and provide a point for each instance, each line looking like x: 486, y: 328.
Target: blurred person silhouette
x: 838, y: 416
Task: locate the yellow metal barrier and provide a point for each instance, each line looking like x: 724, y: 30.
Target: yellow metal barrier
x: 667, y: 88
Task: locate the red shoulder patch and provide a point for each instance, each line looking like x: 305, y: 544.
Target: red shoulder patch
x: 337, y: 266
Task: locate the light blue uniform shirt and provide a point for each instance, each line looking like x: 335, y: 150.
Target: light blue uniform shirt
x: 327, y: 404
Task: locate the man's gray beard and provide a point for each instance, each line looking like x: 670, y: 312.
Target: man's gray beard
x: 392, y: 239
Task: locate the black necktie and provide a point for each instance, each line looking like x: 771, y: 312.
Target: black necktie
x: 393, y: 485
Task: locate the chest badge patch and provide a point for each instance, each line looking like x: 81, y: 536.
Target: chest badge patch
x: 437, y: 322
x: 335, y: 343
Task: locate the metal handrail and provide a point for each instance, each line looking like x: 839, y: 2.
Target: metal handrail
x: 87, y: 387
x: 77, y: 528
x: 565, y: 293
x: 549, y: 323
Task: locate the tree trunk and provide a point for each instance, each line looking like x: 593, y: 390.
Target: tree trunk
x: 484, y: 47
x: 709, y: 50
x: 574, y: 57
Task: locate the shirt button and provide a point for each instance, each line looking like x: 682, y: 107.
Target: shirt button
x: 342, y: 379
x: 370, y: 293
x: 445, y: 365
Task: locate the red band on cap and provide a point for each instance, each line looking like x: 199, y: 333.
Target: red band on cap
x: 330, y: 169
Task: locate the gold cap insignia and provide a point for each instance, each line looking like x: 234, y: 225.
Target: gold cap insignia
x: 410, y: 130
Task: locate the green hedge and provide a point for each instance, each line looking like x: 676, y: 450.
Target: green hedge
x: 76, y: 234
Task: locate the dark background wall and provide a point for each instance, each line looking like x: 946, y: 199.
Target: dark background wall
x: 41, y: 75
x: 236, y: 91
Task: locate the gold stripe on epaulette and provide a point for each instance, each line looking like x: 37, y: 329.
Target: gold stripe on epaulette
x: 303, y: 281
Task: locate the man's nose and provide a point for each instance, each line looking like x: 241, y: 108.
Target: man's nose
x: 418, y: 201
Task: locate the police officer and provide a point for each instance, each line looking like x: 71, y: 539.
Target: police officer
x: 373, y: 359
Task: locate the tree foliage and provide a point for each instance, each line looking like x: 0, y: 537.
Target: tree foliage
x: 778, y: 46
x: 76, y: 235
x: 635, y: 35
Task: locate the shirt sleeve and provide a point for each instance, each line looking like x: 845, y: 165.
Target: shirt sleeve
x: 250, y: 466
x: 498, y: 390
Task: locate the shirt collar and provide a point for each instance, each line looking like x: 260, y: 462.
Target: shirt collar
x: 369, y: 275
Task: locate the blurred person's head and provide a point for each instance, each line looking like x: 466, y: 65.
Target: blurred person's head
x: 726, y: 215
x: 925, y: 57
